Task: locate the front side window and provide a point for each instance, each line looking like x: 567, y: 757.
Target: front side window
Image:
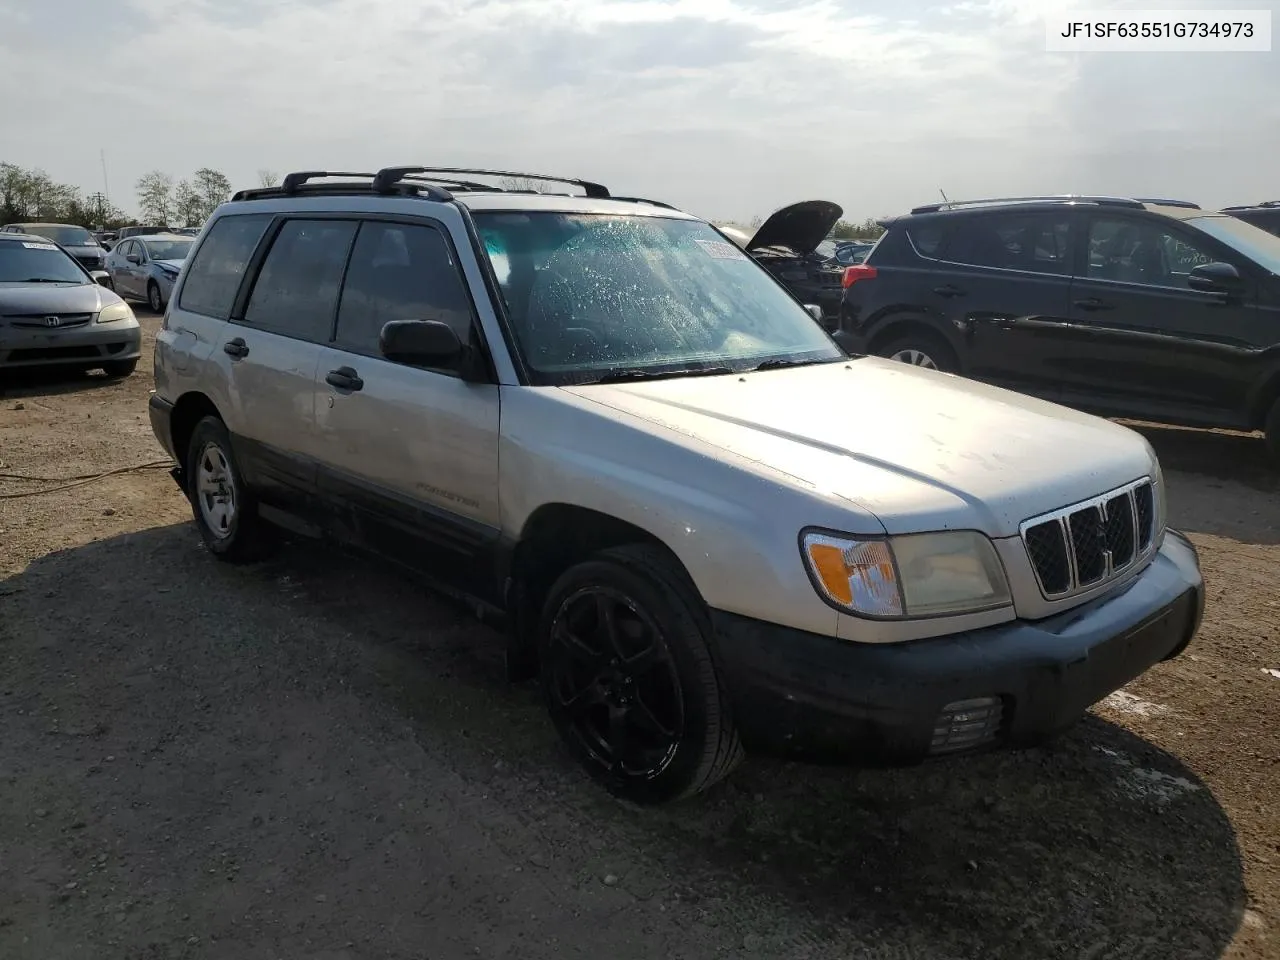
x: 296, y: 291
x: 594, y: 295
x: 1039, y: 243
x: 400, y: 272
x: 214, y: 276
x: 1130, y: 250
x: 37, y: 261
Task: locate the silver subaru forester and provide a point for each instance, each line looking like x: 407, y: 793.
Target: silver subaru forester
x: 707, y: 526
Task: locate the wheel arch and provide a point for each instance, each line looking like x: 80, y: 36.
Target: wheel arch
x: 189, y: 410
x: 897, y: 325
x: 555, y: 537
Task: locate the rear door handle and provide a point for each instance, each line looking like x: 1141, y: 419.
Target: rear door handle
x: 1091, y: 303
x: 948, y: 290
x: 236, y: 348
x: 344, y: 378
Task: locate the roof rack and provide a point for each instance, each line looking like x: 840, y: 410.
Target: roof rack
x: 1162, y: 202
x: 1058, y: 198
x: 654, y: 203
x: 414, y: 181
x: 1253, y: 206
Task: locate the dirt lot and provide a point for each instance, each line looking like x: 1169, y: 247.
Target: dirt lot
x: 312, y: 757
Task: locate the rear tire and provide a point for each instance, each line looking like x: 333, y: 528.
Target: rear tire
x: 920, y: 349
x: 628, y: 677
x: 1271, y: 431
x: 225, y: 511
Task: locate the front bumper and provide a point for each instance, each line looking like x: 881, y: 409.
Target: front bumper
x: 1014, y: 685
x: 87, y: 345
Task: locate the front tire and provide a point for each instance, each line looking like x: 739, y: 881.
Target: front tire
x: 153, y: 297
x: 120, y: 368
x: 225, y: 511
x: 628, y: 677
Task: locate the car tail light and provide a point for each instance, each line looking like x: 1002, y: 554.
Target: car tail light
x: 859, y: 271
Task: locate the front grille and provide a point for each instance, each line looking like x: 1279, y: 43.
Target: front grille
x: 1089, y: 543
x: 42, y: 320
x: 967, y: 725
x: 90, y: 262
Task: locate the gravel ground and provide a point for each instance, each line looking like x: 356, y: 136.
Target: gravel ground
x: 312, y: 757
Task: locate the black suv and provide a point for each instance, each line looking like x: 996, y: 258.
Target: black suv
x: 1129, y: 308
x: 1265, y: 215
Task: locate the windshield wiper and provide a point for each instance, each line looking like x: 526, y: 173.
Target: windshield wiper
x: 45, y: 280
x: 778, y: 363
x: 640, y: 373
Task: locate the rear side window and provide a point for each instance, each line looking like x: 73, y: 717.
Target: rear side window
x: 400, y: 272
x: 927, y: 238
x: 1039, y: 243
x: 214, y: 275
x: 296, y: 291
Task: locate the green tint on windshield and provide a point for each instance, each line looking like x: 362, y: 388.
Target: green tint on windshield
x: 590, y: 293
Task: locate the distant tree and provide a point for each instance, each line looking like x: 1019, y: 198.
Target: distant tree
x: 528, y: 184
x: 868, y: 229
x: 268, y: 178
x: 155, y: 197
x: 31, y: 194
x: 213, y: 188
x: 187, y: 205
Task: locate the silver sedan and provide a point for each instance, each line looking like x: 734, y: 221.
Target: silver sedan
x: 144, y: 268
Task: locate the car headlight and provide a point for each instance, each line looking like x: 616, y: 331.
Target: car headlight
x: 113, y: 312
x: 917, y: 575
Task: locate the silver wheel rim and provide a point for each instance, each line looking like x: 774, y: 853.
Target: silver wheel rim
x: 917, y: 358
x: 153, y: 298
x: 216, y: 491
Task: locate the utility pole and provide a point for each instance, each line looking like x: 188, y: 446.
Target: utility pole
x: 106, y: 186
x: 99, y: 201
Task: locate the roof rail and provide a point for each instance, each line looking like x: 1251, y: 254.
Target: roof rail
x: 654, y: 203
x: 1163, y: 202
x: 1058, y: 198
x: 1254, y: 206
x: 301, y: 182
x: 389, y: 175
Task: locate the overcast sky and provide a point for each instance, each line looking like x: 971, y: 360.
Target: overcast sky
x: 729, y: 108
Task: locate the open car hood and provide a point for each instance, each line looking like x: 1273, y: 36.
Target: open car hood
x: 799, y: 227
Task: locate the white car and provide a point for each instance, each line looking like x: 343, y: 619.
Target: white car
x: 707, y: 526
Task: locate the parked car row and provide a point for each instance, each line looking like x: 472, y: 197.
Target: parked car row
x: 707, y: 527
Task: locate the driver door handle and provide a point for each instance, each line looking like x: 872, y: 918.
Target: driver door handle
x: 236, y: 349
x: 344, y: 378
x: 1091, y: 303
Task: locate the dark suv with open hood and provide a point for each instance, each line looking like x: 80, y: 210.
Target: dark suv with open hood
x: 787, y: 246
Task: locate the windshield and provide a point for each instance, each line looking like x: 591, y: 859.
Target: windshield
x: 588, y: 295
x: 168, y: 249
x: 1254, y: 242
x: 30, y: 261
x: 68, y: 236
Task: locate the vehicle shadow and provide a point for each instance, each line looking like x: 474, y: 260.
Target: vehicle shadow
x: 53, y: 381
x: 1102, y: 846
x: 1207, y: 470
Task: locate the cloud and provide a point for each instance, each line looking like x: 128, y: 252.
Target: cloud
x: 727, y: 107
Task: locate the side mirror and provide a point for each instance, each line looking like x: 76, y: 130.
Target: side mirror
x: 421, y: 343
x: 1215, y: 278
x: 102, y: 278
x: 815, y: 311
x: 133, y: 258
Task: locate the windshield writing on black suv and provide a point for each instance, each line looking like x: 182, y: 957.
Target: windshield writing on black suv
x: 32, y: 261
x: 594, y: 296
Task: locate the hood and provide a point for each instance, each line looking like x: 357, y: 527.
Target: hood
x: 81, y: 249
x: 171, y: 264
x: 26, y: 299
x: 921, y: 450
x: 799, y: 227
